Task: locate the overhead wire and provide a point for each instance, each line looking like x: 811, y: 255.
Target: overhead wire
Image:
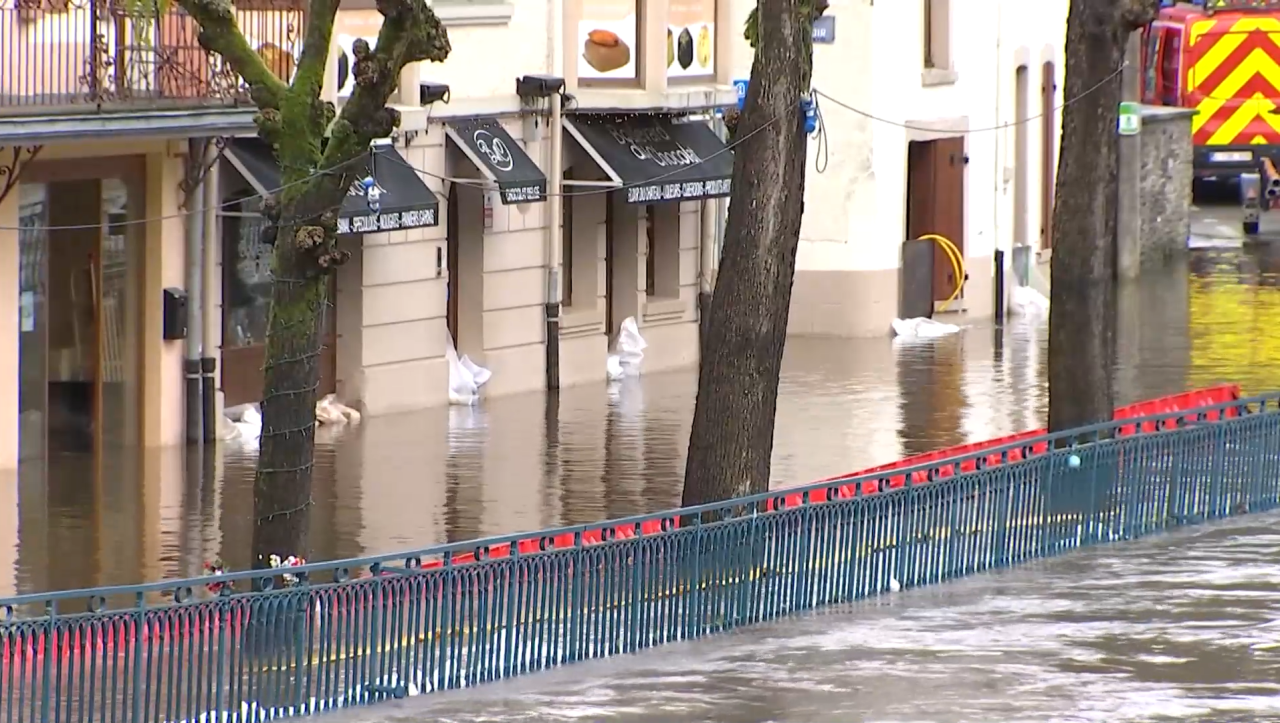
x: 819, y: 133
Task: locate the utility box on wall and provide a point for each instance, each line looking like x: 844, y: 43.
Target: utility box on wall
x: 175, y: 314
x: 915, y: 290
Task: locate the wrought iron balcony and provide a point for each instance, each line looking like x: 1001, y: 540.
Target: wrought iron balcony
x: 91, y: 56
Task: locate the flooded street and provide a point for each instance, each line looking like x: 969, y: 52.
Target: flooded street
x: 522, y: 463
x: 1181, y: 627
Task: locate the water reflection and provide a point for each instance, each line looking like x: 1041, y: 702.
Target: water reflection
x: 526, y: 463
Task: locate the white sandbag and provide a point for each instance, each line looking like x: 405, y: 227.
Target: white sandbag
x: 465, y: 376
x: 479, y: 374
x: 248, y: 428
x: 613, y: 367
x: 922, y: 328
x: 1026, y: 301
x: 630, y: 347
x: 329, y: 411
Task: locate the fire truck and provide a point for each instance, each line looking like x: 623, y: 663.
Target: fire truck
x: 1222, y: 58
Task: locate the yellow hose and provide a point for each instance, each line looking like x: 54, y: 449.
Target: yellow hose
x: 957, y: 264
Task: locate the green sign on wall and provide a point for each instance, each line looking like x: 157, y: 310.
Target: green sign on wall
x: 1130, y: 123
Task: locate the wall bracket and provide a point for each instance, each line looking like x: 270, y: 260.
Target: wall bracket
x: 13, y: 160
x: 197, y: 169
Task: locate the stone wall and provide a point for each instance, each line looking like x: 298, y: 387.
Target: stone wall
x: 1164, y: 184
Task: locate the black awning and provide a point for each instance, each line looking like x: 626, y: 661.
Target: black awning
x: 656, y: 159
x: 500, y: 158
x: 406, y: 202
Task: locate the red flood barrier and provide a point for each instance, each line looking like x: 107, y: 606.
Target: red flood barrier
x: 1194, y: 399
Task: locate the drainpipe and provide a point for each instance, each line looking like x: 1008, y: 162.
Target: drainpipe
x: 191, y: 346
x: 554, y: 235
x: 210, y: 288
x: 555, y: 204
x: 1001, y: 162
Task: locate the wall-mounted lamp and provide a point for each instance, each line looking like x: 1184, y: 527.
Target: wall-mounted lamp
x: 531, y: 87
x: 429, y: 93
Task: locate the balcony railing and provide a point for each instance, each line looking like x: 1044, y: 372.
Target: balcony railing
x: 115, y: 55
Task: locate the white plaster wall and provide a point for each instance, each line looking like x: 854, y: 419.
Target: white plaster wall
x: 857, y: 206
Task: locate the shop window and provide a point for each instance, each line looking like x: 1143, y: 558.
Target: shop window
x: 1150, y: 64
x: 691, y: 38
x: 1170, y: 64
x: 606, y: 44
x: 246, y: 264
x: 937, y: 34
x: 662, y: 252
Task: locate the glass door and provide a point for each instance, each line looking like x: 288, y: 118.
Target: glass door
x: 79, y: 312
x: 33, y: 219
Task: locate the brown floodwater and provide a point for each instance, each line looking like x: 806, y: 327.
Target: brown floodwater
x: 530, y: 462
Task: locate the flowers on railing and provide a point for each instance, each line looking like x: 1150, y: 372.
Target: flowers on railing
x: 216, y: 568
x: 291, y: 561
x: 213, y: 569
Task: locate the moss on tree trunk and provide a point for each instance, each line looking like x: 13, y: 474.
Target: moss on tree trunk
x: 1082, y: 319
x: 731, y: 442
x: 319, y: 153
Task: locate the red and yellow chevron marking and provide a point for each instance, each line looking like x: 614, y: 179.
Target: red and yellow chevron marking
x: 1233, y: 79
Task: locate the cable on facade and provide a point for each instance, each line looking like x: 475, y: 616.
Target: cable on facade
x: 820, y: 134
x: 970, y: 131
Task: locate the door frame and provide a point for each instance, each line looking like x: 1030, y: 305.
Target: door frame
x: 1048, y: 150
x: 132, y: 170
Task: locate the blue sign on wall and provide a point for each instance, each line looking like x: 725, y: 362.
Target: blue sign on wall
x: 824, y: 30
x: 740, y: 85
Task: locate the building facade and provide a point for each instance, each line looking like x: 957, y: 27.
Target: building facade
x: 953, y: 131
x: 520, y: 221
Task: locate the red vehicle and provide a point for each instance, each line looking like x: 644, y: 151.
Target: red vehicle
x: 1221, y: 58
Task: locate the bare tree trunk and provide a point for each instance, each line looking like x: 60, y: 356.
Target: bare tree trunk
x: 731, y: 442
x: 1082, y: 320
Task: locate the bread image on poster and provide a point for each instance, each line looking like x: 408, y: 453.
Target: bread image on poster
x: 605, y: 51
x: 704, y: 47
x: 684, y: 49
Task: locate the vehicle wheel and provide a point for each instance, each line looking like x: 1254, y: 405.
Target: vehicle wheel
x: 1250, y: 228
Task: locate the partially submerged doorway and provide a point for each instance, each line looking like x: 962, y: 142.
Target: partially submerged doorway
x: 80, y: 309
x: 935, y: 203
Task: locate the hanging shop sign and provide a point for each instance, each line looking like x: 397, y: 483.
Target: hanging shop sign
x: 691, y: 37
x: 607, y: 35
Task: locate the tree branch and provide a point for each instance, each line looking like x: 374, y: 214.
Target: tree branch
x: 410, y: 33
x: 219, y: 33
x: 309, y: 77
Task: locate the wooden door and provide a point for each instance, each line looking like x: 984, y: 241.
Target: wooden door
x: 1048, y: 155
x: 948, y: 210
x: 452, y: 251
x: 919, y: 189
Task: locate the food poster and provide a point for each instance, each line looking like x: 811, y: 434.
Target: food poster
x: 607, y: 35
x: 349, y: 26
x: 691, y: 37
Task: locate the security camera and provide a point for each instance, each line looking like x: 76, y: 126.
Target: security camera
x: 530, y: 87
x: 429, y: 93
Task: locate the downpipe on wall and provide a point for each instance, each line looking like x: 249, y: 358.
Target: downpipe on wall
x: 194, y: 227
x: 554, y: 236
x: 212, y: 326
x: 555, y: 203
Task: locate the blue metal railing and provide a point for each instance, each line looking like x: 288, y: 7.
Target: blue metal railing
x: 359, y: 631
